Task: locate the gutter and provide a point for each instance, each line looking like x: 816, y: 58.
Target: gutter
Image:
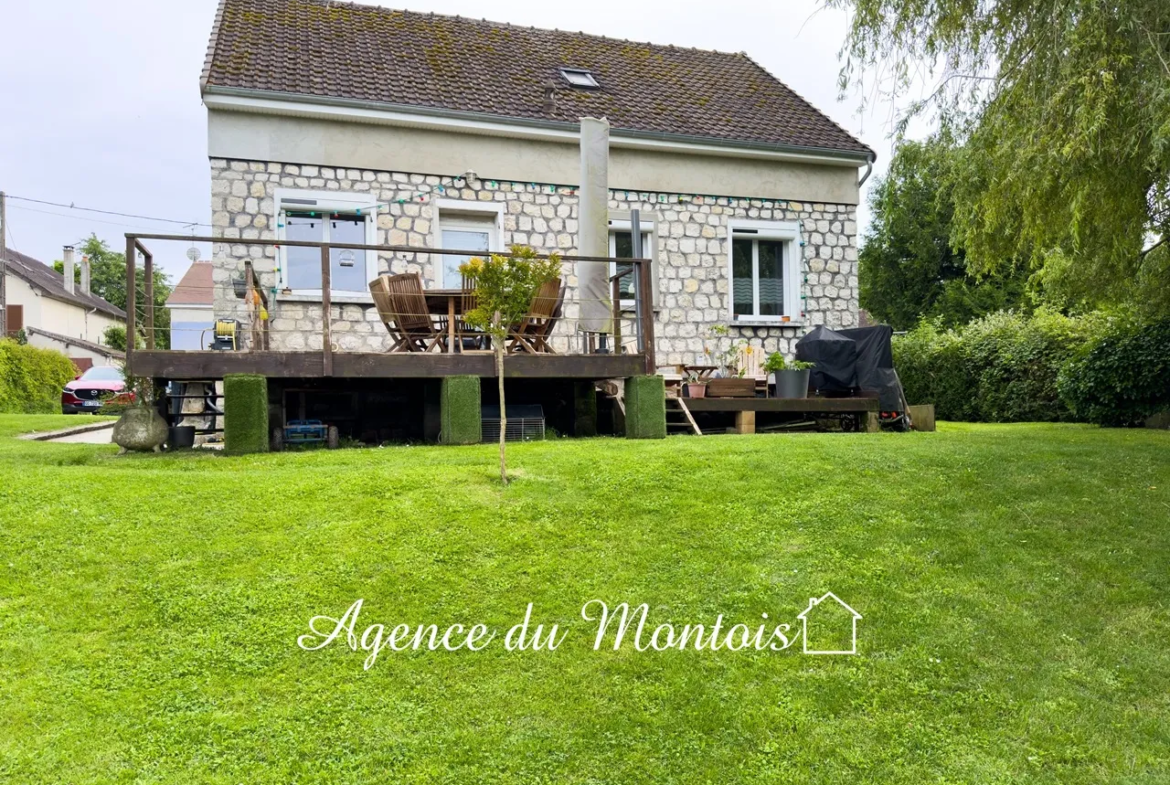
x: 240, y: 99
x: 868, y: 170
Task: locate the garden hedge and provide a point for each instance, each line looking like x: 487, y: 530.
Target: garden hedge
x: 1122, y: 377
x: 1011, y: 368
x: 645, y: 407
x: 31, y: 379
x: 1001, y: 368
x: 461, y: 411
x: 245, y: 413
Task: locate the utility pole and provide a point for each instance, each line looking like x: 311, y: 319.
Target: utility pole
x: 3, y: 266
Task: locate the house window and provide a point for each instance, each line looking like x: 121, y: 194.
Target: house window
x: 326, y: 218
x: 464, y: 227
x: 621, y: 246
x: 764, y: 270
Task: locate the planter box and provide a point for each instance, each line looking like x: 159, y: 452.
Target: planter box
x: 731, y: 388
x: 694, y: 390
x: 792, y: 384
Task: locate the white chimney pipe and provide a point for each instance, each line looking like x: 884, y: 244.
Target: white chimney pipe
x: 85, y: 274
x: 68, y: 272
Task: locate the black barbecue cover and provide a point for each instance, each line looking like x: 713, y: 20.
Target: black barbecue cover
x: 849, y: 360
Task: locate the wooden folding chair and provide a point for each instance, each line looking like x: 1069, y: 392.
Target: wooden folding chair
x: 532, y: 333
x: 402, y: 306
x: 468, y: 336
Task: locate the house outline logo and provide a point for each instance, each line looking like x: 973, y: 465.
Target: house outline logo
x: 813, y: 602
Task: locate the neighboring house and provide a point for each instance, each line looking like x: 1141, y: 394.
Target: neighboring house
x: 191, y: 306
x: 426, y: 130
x: 56, y: 313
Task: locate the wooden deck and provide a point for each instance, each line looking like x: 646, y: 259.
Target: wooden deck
x: 178, y: 365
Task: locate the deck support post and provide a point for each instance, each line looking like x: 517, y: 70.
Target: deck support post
x: 584, y: 409
x: 873, y: 422
x: 645, y: 407
x: 745, y: 422
x: 460, y: 412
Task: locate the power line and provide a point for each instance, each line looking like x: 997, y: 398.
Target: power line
x: 77, y: 218
x: 109, y: 212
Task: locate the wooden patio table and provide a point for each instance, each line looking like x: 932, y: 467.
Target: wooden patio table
x: 449, y: 303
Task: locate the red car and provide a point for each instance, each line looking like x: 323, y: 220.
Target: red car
x: 88, y: 392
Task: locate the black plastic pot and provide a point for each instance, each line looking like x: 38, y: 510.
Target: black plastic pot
x: 181, y: 437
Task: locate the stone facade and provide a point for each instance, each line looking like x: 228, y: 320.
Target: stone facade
x: 691, y: 237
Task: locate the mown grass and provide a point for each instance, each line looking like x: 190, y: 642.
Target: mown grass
x: 1013, y: 581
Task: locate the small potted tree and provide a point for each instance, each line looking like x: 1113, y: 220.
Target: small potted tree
x: 790, y: 378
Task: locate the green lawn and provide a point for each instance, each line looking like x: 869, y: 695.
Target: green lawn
x: 1014, y: 582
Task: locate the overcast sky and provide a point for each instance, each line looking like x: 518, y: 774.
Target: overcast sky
x: 100, y: 106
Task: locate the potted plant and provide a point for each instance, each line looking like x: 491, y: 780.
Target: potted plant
x: 693, y: 388
x: 729, y: 381
x: 790, y: 378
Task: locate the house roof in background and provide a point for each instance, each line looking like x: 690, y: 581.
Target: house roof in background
x: 195, y: 287
x: 52, y: 283
x: 81, y: 343
x: 333, y: 50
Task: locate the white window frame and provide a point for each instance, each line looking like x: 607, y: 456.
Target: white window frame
x: 326, y: 202
x: 458, y: 212
x: 787, y: 232
x: 648, y: 229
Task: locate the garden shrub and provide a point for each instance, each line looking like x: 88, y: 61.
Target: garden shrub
x: 1122, y: 377
x: 31, y: 379
x: 1001, y: 368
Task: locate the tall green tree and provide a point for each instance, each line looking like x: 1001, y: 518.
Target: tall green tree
x: 108, y: 281
x: 1064, y: 110
x: 909, y: 266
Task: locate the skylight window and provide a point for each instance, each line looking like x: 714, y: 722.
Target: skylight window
x: 579, y: 78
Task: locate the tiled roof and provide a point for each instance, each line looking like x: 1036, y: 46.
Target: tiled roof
x: 195, y: 288
x: 52, y: 283
x: 366, y: 53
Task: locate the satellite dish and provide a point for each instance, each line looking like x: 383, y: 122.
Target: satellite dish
x: 193, y: 254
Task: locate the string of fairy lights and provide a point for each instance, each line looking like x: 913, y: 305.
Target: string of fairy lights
x: 424, y: 193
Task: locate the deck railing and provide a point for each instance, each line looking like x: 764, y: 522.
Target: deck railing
x: 259, y: 335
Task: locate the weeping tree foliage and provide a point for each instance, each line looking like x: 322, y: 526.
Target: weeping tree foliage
x: 910, y: 269
x: 505, y: 287
x: 1063, y: 108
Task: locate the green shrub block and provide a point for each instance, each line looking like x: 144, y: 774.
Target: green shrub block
x: 645, y: 407
x: 460, y: 413
x: 584, y: 409
x: 245, y: 413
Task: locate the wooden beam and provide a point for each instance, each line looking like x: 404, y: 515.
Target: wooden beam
x: 131, y: 250
x: 796, y: 405
x: 326, y: 315
x: 148, y: 300
x: 646, y: 303
x: 432, y: 365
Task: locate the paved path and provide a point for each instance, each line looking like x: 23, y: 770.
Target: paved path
x: 102, y: 436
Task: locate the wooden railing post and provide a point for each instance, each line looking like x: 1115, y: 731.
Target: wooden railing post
x: 326, y: 307
x: 131, y: 297
x: 148, y: 299
x: 617, y: 315
x: 646, y: 315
